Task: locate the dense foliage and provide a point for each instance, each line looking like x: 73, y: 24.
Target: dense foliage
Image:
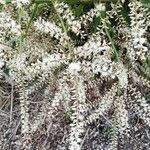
x: 74, y: 74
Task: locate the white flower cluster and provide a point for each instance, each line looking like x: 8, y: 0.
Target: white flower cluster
x: 105, y: 103
x: 87, y: 69
x: 24, y: 103
x: 63, y: 94
x: 2, y: 2
x: 20, y: 64
x: 1, y: 56
x: 8, y: 24
x: 17, y: 64
x: 48, y: 27
x: 121, y: 73
x: 37, y: 121
x: 52, y: 61
x: 93, y: 46
x: 138, y: 29
x: 73, y: 24
x: 100, y: 7
x: 52, y: 29
x: 102, y: 65
x: 74, y: 68
x: 114, y: 140
x: 139, y: 79
x: 121, y: 115
x: 19, y: 3
x: 144, y: 110
x: 79, y: 108
x: 86, y: 18
x: 44, y: 66
x: 140, y: 104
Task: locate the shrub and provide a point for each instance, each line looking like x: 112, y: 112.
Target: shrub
x: 85, y: 61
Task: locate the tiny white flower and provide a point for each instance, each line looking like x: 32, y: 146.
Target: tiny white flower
x: 141, y: 32
x: 1, y: 63
x: 100, y: 7
x: 142, y: 40
x: 123, y: 78
x: 20, y: 2
x: 1, y: 47
x: 2, y: 2
x: 74, y: 67
x: 122, y: 1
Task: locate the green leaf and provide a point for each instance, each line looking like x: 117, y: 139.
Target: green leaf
x: 146, y: 3
x: 71, y: 1
x: 78, y: 10
x: 41, y: 1
x: 8, y: 1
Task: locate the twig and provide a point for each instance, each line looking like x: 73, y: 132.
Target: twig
x: 11, y: 102
x: 11, y: 82
x: 85, y: 137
